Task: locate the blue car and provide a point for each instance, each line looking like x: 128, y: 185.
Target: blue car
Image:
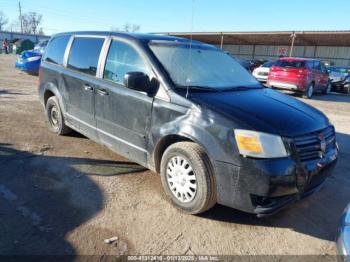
x: 29, y: 61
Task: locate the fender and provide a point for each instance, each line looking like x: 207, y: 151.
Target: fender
x: 197, y: 125
x: 53, y: 88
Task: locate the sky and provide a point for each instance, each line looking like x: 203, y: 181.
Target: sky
x: 186, y: 15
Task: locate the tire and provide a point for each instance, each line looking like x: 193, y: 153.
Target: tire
x: 308, y: 93
x: 193, y: 192
x: 328, y: 89
x: 346, y: 89
x: 55, y: 118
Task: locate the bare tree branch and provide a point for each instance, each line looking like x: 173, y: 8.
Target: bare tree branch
x: 3, y: 21
x: 127, y: 27
x: 31, y: 22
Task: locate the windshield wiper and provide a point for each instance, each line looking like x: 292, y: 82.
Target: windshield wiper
x: 204, y: 88
x: 240, y: 88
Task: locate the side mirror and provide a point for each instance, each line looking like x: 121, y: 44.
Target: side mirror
x: 137, y: 81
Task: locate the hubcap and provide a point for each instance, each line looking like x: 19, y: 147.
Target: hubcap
x: 310, y: 91
x: 54, y: 116
x: 181, y: 179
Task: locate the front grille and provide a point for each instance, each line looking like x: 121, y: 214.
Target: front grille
x: 315, y: 145
x: 263, y: 74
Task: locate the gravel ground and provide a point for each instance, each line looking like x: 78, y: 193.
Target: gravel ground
x: 65, y: 195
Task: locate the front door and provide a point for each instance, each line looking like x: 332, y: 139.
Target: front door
x: 79, y: 81
x: 123, y: 116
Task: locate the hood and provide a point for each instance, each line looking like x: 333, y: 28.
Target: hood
x: 264, y: 110
x: 337, y: 76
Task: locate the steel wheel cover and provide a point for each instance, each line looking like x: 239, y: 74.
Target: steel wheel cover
x: 181, y: 179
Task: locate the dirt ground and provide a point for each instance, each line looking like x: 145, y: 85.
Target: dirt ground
x: 65, y: 195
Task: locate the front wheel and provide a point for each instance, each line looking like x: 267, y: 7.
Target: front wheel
x: 188, y: 178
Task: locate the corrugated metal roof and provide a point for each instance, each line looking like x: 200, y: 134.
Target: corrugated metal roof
x: 314, y: 38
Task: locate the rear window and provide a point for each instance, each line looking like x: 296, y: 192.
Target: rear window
x: 55, y: 50
x: 84, y: 54
x: 290, y: 64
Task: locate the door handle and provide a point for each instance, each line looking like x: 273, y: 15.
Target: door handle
x: 102, y: 92
x: 88, y: 87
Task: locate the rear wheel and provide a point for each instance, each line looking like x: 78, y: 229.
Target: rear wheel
x: 308, y: 93
x: 55, y: 118
x: 187, y: 177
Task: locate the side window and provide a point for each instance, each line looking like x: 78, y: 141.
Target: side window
x: 317, y: 65
x: 84, y: 54
x: 122, y: 59
x: 323, y: 68
x: 309, y: 65
x: 55, y: 50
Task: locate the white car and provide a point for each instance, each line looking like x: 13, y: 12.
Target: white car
x: 262, y: 72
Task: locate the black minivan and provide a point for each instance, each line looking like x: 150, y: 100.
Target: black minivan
x: 190, y: 112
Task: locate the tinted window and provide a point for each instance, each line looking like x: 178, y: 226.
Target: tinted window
x: 122, y: 59
x: 317, y: 65
x: 55, y: 50
x: 290, y: 63
x: 323, y: 68
x: 84, y: 54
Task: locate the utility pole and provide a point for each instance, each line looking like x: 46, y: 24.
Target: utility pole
x: 20, y: 15
x: 293, y: 36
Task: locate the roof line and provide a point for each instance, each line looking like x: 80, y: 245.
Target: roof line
x: 255, y: 32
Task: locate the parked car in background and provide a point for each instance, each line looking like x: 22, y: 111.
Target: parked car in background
x: 339, y: 77
x: 262, y: 72
x: 214, y: 136
x: 327, y: 63
x: 243, y: 62
x: 343, y: 241
x: 40, y: 47
x: 301, y: 75
x: 255, y: 63
x: 29, y: 61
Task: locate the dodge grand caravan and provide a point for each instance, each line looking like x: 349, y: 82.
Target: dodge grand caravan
x: 188, y: 111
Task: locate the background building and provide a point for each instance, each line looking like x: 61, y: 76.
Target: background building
x: 332, y: 46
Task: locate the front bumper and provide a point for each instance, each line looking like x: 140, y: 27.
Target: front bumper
x: 264, y: 187
x: 31, y: 67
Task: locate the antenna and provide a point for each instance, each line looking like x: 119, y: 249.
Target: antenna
x: 189, y: 68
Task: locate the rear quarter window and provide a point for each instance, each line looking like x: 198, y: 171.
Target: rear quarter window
x: 55, y: 50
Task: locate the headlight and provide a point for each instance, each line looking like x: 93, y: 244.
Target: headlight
x: 260, y: 145
x: 34, y: 58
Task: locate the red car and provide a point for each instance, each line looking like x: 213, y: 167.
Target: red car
x: 302, y: 75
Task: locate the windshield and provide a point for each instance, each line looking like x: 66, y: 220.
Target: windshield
x: 200, y: 65
x: 268, y: 64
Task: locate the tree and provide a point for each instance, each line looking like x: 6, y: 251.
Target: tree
x: 3, y: 21
x: 31, y: 22
x: 127, y: 27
